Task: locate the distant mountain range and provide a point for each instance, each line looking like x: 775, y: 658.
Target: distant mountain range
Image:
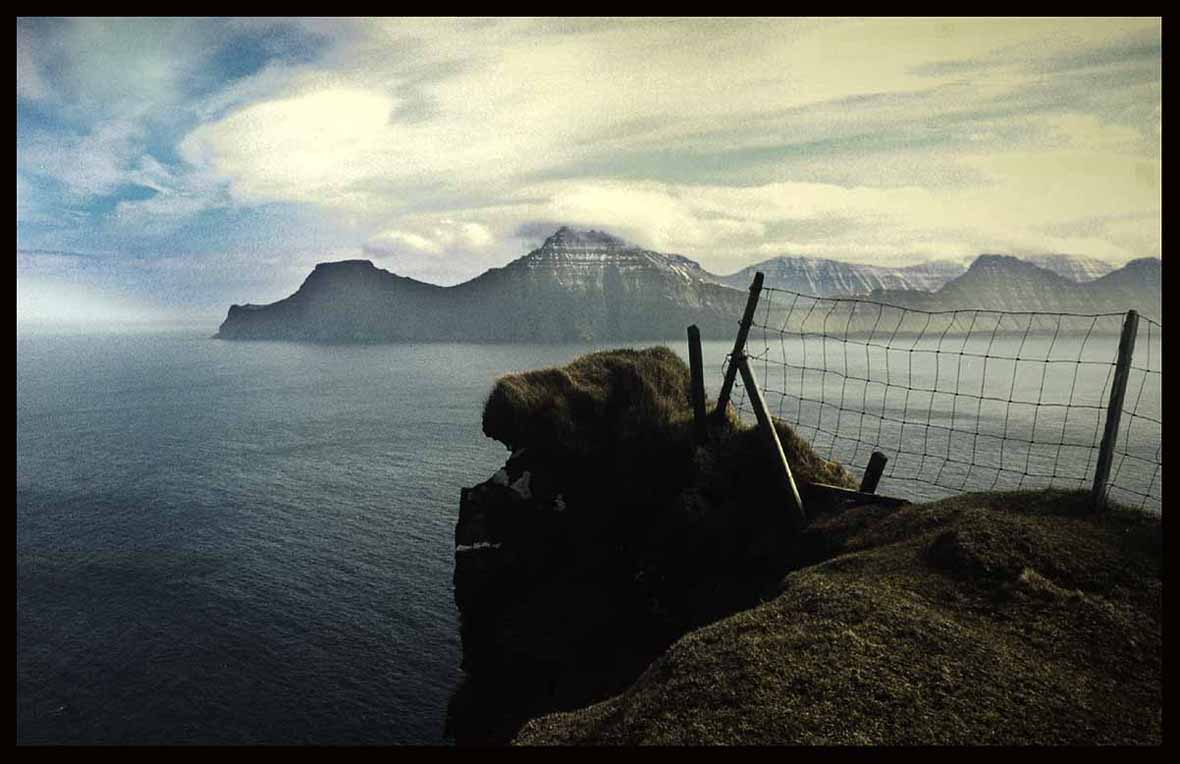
x: 591, y: 286
x: 831, y: 278
x: 1003, y: 282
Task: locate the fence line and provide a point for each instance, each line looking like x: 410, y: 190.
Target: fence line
x: 960, y: 400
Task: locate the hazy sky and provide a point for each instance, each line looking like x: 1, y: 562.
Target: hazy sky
x: 189, y: 164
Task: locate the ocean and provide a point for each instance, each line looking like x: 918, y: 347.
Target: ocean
x: 249, y: 542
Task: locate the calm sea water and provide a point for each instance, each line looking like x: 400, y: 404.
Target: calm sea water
x: 244, y: 542
x: 231, y: 542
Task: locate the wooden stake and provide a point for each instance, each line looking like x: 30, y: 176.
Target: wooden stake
x: 1114, y: 411
x: 766, y: 424
x: 696, y: 366
x: 739, y: 345
x: 873, y: 473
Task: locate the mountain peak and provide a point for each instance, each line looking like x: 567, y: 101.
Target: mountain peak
x: 991, y: 261
x: 337, y: 270
x: 346, y: 265
x: 572, y: 238
x: 1144, y: 264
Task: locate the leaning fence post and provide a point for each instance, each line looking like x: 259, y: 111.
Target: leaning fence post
x: 739, y: 345
x: 696, y: 366
x: 766, y: 424
x: 1114, y: 411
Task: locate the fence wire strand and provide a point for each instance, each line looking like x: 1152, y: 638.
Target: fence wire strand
x: 960, y: 400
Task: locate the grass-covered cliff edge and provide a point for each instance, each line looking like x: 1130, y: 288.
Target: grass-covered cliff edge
x: 619, y: 584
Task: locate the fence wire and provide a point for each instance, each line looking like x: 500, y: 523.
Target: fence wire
x: 961, y: 400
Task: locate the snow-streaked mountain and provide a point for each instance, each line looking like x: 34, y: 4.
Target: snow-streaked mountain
x: 827, y: 278
x: 577, y: 286
x: 1074, y: 267
x: 576, y: 258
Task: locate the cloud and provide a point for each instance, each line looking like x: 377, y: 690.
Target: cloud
x: 1027, y: 204
x: 442, y: 251
x: 29, y: 83
x: 87, y: 165
x: 316, y: 147
x: 177, y: 199
x: 438, y: 146
x: 506, y: 104
x: 511, y: 98
x: 445, y: 236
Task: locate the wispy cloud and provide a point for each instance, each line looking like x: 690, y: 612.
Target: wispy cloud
x: 431, y: 145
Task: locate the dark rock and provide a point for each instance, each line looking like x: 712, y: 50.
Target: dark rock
x: 606, y: 536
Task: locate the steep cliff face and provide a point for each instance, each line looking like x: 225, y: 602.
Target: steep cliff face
x: 606, y: 535
x: 578, y: 286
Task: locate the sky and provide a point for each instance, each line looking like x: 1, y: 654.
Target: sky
x: 171, y: 167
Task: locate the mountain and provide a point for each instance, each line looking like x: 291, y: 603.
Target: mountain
x: 1138, y: 284
x: 1073, y: 267
x: 827, y: 278
x: 592, y: 286
x: 1003, y: 282
x: 831, y: 278
x: 578, y: 286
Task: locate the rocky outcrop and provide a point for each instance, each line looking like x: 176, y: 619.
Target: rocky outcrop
x: 607, y: 535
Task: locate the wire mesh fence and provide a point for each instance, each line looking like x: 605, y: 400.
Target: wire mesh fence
x: 960, y: 400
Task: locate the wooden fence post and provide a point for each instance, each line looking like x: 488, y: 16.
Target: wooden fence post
x: 873, y: 473
x: 696, y: 366
x: 766, y: 424
x: 739, y: 345
x: 1114, y: 411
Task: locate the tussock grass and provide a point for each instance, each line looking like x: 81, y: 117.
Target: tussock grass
x: 632, y: 408
x: 997, y: 618
x: 598, y: 399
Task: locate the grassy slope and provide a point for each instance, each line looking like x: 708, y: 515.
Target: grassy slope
x: 985, y: 618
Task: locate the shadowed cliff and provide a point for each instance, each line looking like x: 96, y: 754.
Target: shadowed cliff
x: 608, y: 534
